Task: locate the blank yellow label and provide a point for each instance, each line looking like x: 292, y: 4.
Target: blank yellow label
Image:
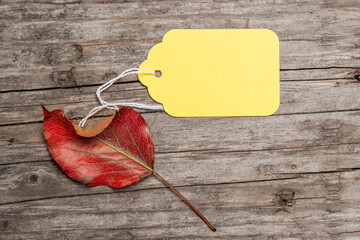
x: 215, y: 72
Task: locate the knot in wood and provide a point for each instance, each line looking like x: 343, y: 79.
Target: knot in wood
x: 285, y: 198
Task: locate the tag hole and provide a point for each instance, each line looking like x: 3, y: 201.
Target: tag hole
x: 158, y: 73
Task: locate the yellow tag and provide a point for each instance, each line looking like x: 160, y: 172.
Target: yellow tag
x: 219, y: 72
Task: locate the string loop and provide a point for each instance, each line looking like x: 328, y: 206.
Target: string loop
x: 114, y: 105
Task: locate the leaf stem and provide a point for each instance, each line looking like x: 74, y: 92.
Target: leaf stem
x: 163, y: 181
x: 185, y: 200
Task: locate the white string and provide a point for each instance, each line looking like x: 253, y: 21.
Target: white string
x: 114, y: 106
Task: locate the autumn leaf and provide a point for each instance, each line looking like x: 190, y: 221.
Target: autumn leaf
x: 116, y: 152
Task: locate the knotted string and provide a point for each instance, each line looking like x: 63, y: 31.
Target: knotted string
x: 114, y: 105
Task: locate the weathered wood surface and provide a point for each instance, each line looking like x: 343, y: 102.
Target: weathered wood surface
x: 293, y: 175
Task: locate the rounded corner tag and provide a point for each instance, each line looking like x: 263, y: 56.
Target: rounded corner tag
x: 215, y: 72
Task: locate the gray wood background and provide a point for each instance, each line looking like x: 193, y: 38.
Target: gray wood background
x: 293, y: 175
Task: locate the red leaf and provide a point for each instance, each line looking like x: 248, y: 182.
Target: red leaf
x: 105, y: 154
x: 116, y: 152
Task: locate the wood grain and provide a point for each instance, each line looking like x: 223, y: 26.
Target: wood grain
x: 293, y: 175
x: 66, y: 41
x: 32, y: 180
x: 26, y: 142
x: 313, y: 206
x: 296, y: 97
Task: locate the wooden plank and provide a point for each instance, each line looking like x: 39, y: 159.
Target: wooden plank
x: 21, y: 143
x: 61, y: 77
x: 78, y: 75
x: 319, y: 74
x: 77, y: 55
x: 306, y: 52
x: 41, y: 180
x: 311, y: 43
x: 40, y: 10
x: 296, y: 97
x: 47, y: 56
x: 313, y: 208
x: 54, y: 65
